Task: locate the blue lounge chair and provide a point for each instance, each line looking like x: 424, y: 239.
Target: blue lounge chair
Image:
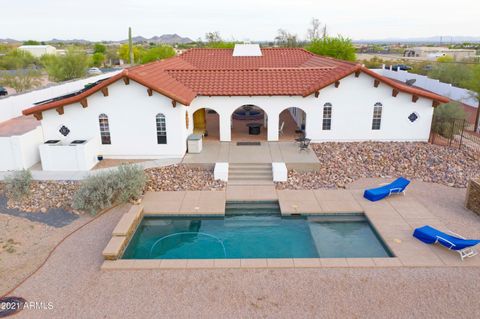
x: 396, y: 187
x: 463, y: 246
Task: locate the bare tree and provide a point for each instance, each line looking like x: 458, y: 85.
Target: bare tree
x: 213, y: 37
x: 286, y: 39
x: 316, y: 30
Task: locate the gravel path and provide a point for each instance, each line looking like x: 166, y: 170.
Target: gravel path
x: 73, y: 282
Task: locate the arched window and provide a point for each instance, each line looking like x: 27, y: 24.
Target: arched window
x: 327, y: 117
x: 104, y: 129
x: 161, y: 129
x: 377, y: 116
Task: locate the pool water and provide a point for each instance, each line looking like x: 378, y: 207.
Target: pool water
x: 255, y: 233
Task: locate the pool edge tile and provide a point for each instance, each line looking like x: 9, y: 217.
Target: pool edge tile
x: 307, y: 262
x: 280, y: 263
x: 200, y: 263
x: 254, y: 263
x: 333, y: 262
x: 227, y: 263
x: 173, y: 264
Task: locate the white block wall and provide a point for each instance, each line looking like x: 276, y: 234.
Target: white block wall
x: 20, y: 152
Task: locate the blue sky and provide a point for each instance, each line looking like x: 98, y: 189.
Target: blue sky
x: 239, y: 20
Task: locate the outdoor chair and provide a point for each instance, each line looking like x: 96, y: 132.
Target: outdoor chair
x: 304, y: 144
x: 398, y: 186
x: 461, y: 245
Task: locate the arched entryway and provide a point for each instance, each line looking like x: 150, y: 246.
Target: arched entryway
x: 207, y: 122
x: 292, y: 123
x: 249, y: 123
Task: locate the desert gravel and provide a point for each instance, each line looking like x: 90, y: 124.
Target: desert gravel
x: 73, y: 282
x: 343, y: 163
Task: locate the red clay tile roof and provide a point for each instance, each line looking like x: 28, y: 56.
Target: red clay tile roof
x: 216, y: 72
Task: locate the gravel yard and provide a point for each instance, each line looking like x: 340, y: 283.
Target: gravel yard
x: 181, y: 178
x: 73, y: 282
x: 343, y: 163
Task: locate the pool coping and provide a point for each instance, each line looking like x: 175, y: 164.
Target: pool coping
x: 393, y: 219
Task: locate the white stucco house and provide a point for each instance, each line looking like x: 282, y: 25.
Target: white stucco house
x: 148, y: 111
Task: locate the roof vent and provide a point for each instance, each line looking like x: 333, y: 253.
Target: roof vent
x: 247, y: 50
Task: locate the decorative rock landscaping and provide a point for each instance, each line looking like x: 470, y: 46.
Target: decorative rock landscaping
x: 342, y: 163
x: 181, y: 178
x: 45, y: 195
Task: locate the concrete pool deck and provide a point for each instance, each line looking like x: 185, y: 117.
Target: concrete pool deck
x: 394, y: 219
x: 73, y: 281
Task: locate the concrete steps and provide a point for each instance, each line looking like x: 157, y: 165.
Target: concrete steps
x: 250, y: 174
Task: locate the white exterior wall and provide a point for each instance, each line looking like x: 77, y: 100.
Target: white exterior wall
x: 20, y: 152
x: 132, y: 115
x: 132, y: 119
x: 352, y: 112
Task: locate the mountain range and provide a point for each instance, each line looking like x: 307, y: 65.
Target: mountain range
x: 163, y: 39
x: 434, y: 40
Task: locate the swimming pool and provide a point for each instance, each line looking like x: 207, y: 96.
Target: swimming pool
x: 255, y: 233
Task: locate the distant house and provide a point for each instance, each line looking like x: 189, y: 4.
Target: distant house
x: 148, y: 111
x: 38, y: 50
x: 433, y: 53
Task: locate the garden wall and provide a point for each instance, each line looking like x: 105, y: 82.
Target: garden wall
x: 472, y: 201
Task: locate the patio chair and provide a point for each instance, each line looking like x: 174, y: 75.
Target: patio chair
x: 398, y: 186
x: 304, y: 144
x: 280, y: 130
x: 461, y: 245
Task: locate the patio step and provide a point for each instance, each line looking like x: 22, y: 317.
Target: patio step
x: 250, y: 174
x: 250, y: 182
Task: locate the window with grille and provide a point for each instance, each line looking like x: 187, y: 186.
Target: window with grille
x: 377, y: 116
x: 161, y: 129
x: 104, y: 129
x: 327, y: 117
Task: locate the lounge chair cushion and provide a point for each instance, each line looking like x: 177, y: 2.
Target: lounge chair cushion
x: 397, y: 186
x: 430, y: 235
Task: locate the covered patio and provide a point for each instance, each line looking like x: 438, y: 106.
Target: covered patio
x: 288, y: 128
x: 266, y: 152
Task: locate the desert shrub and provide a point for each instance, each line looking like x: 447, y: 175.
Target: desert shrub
x: 106, y: 189
x: 17, y: 185
x: 132, y: 180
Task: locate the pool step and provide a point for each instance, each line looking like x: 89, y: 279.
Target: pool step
x: 232, y: 207
x: 250, y: 174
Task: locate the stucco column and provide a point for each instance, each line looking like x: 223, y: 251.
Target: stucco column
x: 225, y: 127
x: 272, y: 130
